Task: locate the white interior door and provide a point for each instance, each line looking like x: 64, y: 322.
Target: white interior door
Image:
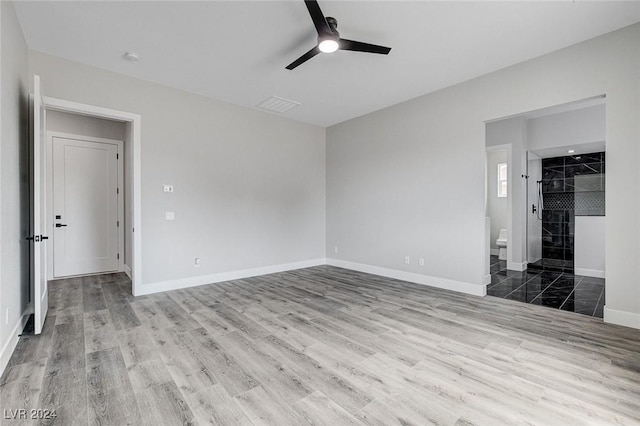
x: 38, y: 209
x: 85, y: 207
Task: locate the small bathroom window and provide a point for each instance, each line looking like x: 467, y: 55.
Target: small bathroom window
x: 502, y: 180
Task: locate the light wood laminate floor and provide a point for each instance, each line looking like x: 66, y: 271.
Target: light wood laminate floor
x: 320, y: 345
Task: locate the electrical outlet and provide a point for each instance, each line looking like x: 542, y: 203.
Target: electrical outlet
x: 407, y: 260
x: 167, y: 188
x: 421, y: 261
x: 196, y: 262
x: 169, y: 216
x: 335, y: 249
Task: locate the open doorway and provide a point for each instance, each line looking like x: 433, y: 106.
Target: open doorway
x: 72, y: 121
x: 86, y: 195
x: 497, y: 200
x: 556, y: 212
x: 43, y: 217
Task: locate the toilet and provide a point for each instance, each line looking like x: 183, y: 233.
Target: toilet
x: 501, y: 242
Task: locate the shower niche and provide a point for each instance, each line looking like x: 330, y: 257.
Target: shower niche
x: 561, y: 191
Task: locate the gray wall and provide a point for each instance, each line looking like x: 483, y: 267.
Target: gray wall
x: 14, y: 213
x: 409, y: 179
x: 590, y: 246
x: 249, y: 186
x: 58, y: 121
x: 586, y: 125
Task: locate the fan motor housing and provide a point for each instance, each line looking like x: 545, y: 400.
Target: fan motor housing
x: 333, y: 25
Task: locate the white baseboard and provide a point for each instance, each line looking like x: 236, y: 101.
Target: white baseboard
x: 127, y: 270
x: 468, y: 288
x: 160, y: 286
x: 494, y: 252
x: 12, y: 342
x: 628, y: 319
x: 487, y: 279
x: 517, y: 266
x: 589, y: 272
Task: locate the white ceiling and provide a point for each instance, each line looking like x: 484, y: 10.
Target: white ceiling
x: 237, y: 51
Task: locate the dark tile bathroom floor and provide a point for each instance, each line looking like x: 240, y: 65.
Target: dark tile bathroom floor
x: 559, y: 290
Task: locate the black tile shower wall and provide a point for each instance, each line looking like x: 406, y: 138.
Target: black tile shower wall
x: 562, y: 179
x: 557, y: 234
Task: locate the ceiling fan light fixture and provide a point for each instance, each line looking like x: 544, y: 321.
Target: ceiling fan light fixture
x: 328, y: 45
x: 329, y: 39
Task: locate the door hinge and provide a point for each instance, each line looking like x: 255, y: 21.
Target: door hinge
x: 118, y: 223
x: 117, y: 190
x: 117, y: 156
x: 118, y: 256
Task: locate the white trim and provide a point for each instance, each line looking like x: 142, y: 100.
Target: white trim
x: 486, y: 280
x: 127, y: 270
x: 517, y: 266
x: 120, y: 197
x: 494, y: 252
x: 12, y: 341
x: 135, y: 138
x: 161, y: 286
x: 462, y: 287
x: 136, y: 256
x: 468, y: 288
x: 121, y: 200
x: 589, y: 272
x: 628, y: 319
x: 505, y: 146
x: 86, y: 109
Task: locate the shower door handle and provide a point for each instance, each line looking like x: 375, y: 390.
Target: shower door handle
x: 533, y: 209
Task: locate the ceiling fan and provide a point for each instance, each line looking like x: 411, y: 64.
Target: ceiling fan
x: 329, y: 38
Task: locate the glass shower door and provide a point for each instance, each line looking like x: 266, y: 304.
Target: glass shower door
x: 534, y: 208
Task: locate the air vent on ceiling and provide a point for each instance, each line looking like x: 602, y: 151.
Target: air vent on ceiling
x: 277, y: 104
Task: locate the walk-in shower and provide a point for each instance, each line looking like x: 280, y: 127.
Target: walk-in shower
x: 563, y: 190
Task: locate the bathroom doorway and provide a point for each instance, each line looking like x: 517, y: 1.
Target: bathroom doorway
x: 556, y: 210
x: 497, y: 200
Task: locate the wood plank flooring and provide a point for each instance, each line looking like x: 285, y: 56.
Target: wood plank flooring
x: 323, y: 346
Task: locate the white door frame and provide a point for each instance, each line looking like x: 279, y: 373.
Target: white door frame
x: 38, y: 257
x: 135, y: 138
x: 50, y: 165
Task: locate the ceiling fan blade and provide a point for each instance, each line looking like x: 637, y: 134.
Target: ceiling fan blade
x: 359, y: 46
x: 304, y: 58
x: 317, y: 17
